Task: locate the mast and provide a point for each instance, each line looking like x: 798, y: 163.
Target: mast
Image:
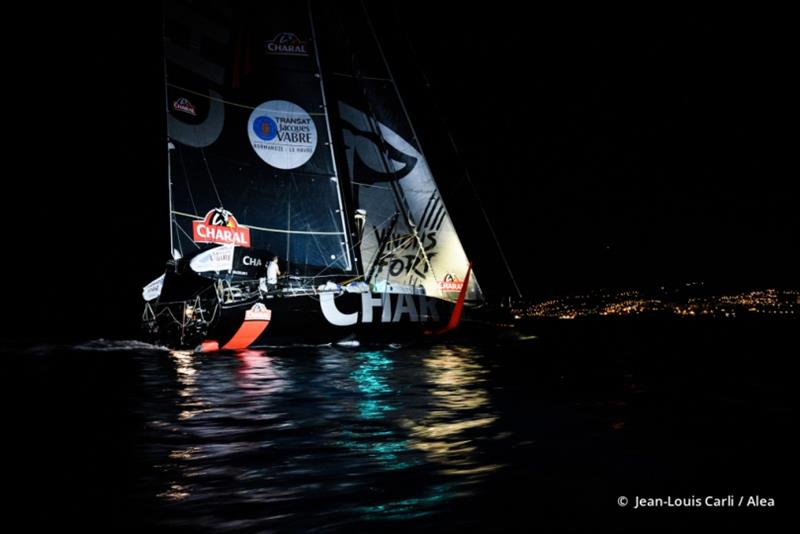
x: 345, y: 220
x: 170, y: 146
x: 289, y: 235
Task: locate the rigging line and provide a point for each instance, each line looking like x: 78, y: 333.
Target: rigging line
x: 223, y: 101
x: 322, y: 253
x: 263, y: 229
x: 405, y: 240
x: 371, y: 78
x: 330, y: 264
x: 437, y: 107
x: 307, y: 175
x: 400, y: 200
x: 169, y: 144
x: 186, y: 179
x: 371, y: 186
x: 289, y: 226
x: 191, y: 239
x: 340, y: 193
x: 363, y: 233
x: 391, y: 78
x: 358, y: 243
x: 210, y: 177
x: 408, y: 120
x: 188, y: 188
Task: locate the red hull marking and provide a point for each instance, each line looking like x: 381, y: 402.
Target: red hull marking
x: 455, y: 317
x: 247, y: 333
x: 208, y: 346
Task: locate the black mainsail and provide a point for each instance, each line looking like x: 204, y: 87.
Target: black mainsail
x: 250, y: 149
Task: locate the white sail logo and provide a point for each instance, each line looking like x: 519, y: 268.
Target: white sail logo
x: 286, y: 44
x: 374, y: 306
x: 282, y: 134
x: 216, y: 259
x: 258, y: 312
x: 220, y: 226
x: 184, y: 104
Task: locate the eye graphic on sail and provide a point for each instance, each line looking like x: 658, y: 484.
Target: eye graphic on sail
x: 363, y: 153
x: 409, y: 239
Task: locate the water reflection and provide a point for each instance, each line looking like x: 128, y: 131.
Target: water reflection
x: 187, y: 387
x: 224, y: 403
x: 411, y: 508
x: 392, y: 434
x: 371, y: 379
x: 373, y: 436
x: 429, y: 414
x: 257, y: 373
x: 458, y: 412
x: 190, y: 406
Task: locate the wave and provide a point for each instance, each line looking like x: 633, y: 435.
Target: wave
x: 116, y: 345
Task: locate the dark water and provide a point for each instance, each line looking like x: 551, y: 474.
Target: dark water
x: 540, y: 434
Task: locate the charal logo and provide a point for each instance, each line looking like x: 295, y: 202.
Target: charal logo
x: 287, y: 44
x: 249, y: 261
x: 183, y: 104
x: 384, y: 308
x: 451, y: 283
x: 258, y: 312
x: 282, y: 134
x: 220, y: 226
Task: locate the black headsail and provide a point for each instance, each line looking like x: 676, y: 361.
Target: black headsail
x: 250, y: 155
x: 408, y: 238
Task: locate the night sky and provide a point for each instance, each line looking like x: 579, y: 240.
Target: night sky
x: 610, y: 149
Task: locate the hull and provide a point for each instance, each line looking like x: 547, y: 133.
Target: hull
x: 309, y: 318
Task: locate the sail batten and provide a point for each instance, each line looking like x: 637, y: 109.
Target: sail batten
x: 279, y: 230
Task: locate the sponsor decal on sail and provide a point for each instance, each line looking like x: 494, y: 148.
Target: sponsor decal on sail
x: 217, y: 259
x: 220, y: 226
x: 286, y: 44
x: 282, y: 134
x: 451, y: 283
x: 395, y: 251
x: 258, y: 312
x: 183, y: 104
x: 153, y: 289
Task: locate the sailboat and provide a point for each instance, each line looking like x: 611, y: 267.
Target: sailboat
x: 271, y: 155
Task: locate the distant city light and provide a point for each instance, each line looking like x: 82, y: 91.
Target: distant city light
x: 606, y: 303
